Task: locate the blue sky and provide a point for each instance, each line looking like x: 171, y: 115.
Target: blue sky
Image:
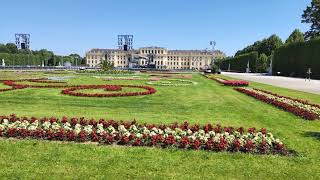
x: 66, y: 26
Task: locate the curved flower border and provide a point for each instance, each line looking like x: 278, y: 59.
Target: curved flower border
x: 298, y: 107
x: 230, y: 82
x: 71, y: 91
x: 183, y: 136
x: 168, y: 82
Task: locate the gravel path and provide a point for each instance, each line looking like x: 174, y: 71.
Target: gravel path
x: 299, y: 84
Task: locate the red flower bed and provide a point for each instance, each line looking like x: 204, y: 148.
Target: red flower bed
x: 71, y: 91
x: 294, y: 99
x: 297, y: 110
x: 230, y: 82
x: 183, y: 136
x: 45, y: 80
x: 15, y: 84
x: 113, y: 88
x: 235, y: 83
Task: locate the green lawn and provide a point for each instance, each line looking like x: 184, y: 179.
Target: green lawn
x: 205, y: 102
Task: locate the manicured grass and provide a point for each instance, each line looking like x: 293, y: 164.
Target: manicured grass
x: 205, y: 102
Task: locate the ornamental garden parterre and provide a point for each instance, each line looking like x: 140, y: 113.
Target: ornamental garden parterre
x: 208, y: 137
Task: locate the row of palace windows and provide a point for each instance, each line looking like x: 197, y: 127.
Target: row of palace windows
x: 121, y: 62
x: 184, y: 57
x: 92, y: 61
x: 152, y: 51
x: 92, y: 57
x: 177, y: 63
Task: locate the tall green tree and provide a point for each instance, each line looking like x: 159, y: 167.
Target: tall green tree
x: 261, y: 64
x: 266, y: 46
x: 270, y: 44
x: 311, y: 15
x: 76, y: 59
x: 4, y: 49
x: 106, y: 65
x: 12, y: 48
x: 295, y: 36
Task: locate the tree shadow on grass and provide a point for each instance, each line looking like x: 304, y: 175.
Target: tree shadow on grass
x: 315, y: 135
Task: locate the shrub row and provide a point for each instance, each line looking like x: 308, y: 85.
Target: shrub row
x: 295, y: 59
x: 239, y: 63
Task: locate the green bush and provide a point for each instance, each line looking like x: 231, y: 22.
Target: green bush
x: 295, y: 59
x: 239, y: 63
x: 262, y: 63
x: 21, y: 59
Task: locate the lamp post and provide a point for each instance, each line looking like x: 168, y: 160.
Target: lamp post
x: 212, y: 44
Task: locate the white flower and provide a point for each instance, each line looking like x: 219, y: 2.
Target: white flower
x: 111, y: 129
x: 133, y: 128
x: 66, y: 126
x: 146, y: 130
x: 100, y: 129
x: 55, y: 126
x: 5, y: 122
x: 155, y: 129
x: 189, y: 132
x: 33, y: 126
x: 77, y: 128
x: 138, y: 135
x: 153, y: 133
x: 46, y: 125
x: 122, y: 129
x: 160, y: 131
x: 88, y: 129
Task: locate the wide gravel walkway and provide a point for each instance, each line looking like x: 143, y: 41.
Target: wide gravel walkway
x: 299, y: 84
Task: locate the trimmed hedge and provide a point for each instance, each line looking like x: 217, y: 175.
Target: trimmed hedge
x: 239, y: 63
x: 295, y: 59
x: 21, y: 59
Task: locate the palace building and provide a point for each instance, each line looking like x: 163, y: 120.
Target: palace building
x: 154, y: 57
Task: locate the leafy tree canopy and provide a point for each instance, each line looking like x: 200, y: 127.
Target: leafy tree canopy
x: 266, y: 46
x: 296, y: 36
x: 311, y: 15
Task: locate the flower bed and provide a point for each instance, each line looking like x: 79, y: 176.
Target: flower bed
x: 130, y: 78
x: 171, y: 82
x: 113, y: 88
x: 183, y: 136
x: 45, y: 80
x: 14, y: 83
x: 72, y: 91
x: 230, y: 82
x: 298, y: 107
x: 171, y: 76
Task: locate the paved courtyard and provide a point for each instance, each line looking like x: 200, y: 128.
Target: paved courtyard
x: 299, y: 84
